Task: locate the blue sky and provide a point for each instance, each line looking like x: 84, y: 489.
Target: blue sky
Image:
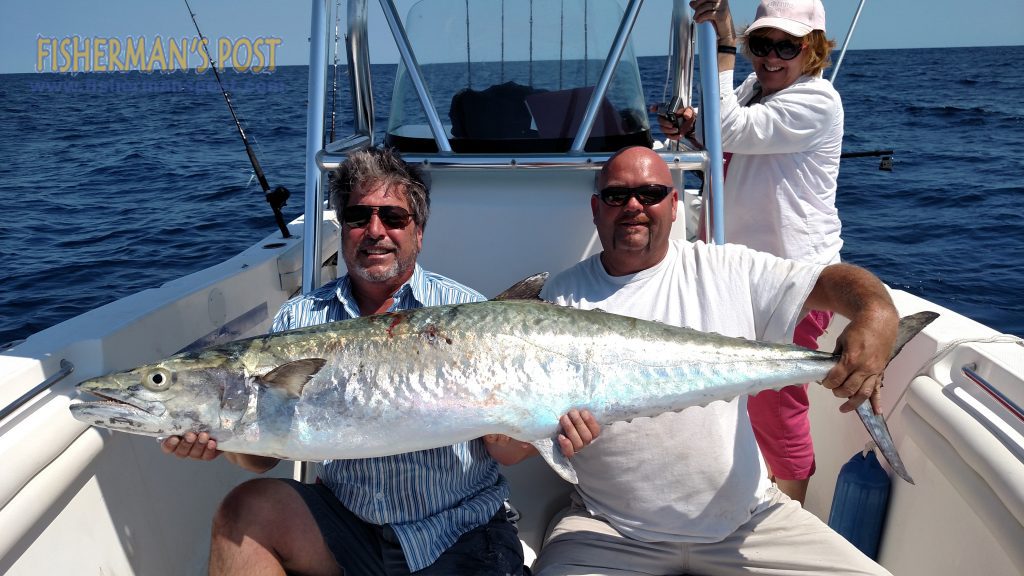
x: 883, y: 24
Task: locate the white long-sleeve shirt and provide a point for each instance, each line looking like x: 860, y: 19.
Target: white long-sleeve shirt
x: 780, y: 189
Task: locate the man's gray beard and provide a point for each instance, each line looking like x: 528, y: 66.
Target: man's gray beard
x: 397, y: 268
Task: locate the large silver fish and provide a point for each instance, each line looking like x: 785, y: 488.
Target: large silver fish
x: 431, y: 377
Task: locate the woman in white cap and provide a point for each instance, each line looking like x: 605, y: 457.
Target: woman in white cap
x: 782, y: 131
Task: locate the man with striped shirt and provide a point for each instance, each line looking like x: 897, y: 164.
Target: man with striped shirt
x: 440, y: 511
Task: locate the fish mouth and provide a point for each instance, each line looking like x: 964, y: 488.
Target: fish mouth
x: 118, y: 416
x: 113, y: 399
x: 119, y: 412
x: 108, y: 407
x: 123, y: 417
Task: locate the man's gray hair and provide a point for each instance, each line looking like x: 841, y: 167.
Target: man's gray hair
x: 385, y: 166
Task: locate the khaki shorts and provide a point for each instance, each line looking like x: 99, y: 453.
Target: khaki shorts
x: 784, y: 539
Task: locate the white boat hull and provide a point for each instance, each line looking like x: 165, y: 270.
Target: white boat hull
x: 965, y: 514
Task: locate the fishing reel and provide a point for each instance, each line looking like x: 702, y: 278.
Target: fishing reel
x: 667, y: 110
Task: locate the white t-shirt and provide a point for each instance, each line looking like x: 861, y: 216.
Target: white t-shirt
x: 781, y: 184
x: 696, y: 475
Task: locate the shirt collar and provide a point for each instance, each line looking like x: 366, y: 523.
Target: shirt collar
x: 413, y: 289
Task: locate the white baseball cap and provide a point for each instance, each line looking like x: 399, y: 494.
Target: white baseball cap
x: 794, y: 17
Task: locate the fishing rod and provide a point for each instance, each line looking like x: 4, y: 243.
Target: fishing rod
x: 868, y: 153
x: 886, y: 162
x: 334, y: 88
x: 278, y: 197
x: 846, y: 42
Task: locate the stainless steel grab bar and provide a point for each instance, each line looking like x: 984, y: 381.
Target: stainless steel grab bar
x: 969, y: 371
x: 66, y: 368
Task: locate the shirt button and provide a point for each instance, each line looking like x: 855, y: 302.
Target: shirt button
x: 379, y: 496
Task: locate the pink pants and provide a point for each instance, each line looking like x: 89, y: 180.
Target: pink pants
x: 779, y: 418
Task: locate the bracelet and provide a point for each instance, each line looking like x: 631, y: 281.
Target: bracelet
x: 723, y: 49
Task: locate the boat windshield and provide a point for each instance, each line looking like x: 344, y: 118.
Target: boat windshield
x: 516, y: 76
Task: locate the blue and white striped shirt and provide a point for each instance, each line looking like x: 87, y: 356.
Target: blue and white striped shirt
x: 431, y: 497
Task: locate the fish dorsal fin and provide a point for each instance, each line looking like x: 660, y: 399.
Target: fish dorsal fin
x: 290, y: 378
x: 526, y: 289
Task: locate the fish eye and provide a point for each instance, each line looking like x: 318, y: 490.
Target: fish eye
x: 157, y: 380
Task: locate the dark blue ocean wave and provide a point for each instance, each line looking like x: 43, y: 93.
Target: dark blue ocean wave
x: 113, y: 183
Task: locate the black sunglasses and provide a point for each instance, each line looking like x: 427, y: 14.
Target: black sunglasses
x: 392, y: 217
x: 646, y: 195
x: 761, y: 46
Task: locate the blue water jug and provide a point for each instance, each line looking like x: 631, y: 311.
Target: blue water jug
x: 860, y: 501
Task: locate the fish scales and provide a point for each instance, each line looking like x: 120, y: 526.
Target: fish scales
x: 502, y: 367
x: 430, y: 377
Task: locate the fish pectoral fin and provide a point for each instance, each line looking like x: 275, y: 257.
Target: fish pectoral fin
x: 526, y: 289
x: 292, y: 377
x: 551, y: 454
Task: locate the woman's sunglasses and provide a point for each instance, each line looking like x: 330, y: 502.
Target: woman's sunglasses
x: 392, y: 217
x: 761, y: 46
x: 646, y: 195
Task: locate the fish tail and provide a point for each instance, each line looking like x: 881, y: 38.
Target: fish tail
x: 909, y: 327
x: 879, y: 432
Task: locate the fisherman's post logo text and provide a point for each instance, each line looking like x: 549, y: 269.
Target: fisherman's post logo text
x: 73, y: 54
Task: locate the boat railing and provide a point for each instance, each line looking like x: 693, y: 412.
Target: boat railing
x: 321, y: 158
x: 319, y: 46
x: 416, y: 75
x: 333, y: 156
x: 614, y: 55
x: 66, y: 368
x: 846, y: 42
x: 358, y: 53
x: 970, y: 371
x: 714, y: 172
x: 681, y: 52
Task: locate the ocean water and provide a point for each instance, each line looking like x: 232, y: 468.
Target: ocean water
x: 114, y: 183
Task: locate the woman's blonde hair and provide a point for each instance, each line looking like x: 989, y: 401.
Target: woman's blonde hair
x: 818, y: 47
x: 819, y: 52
